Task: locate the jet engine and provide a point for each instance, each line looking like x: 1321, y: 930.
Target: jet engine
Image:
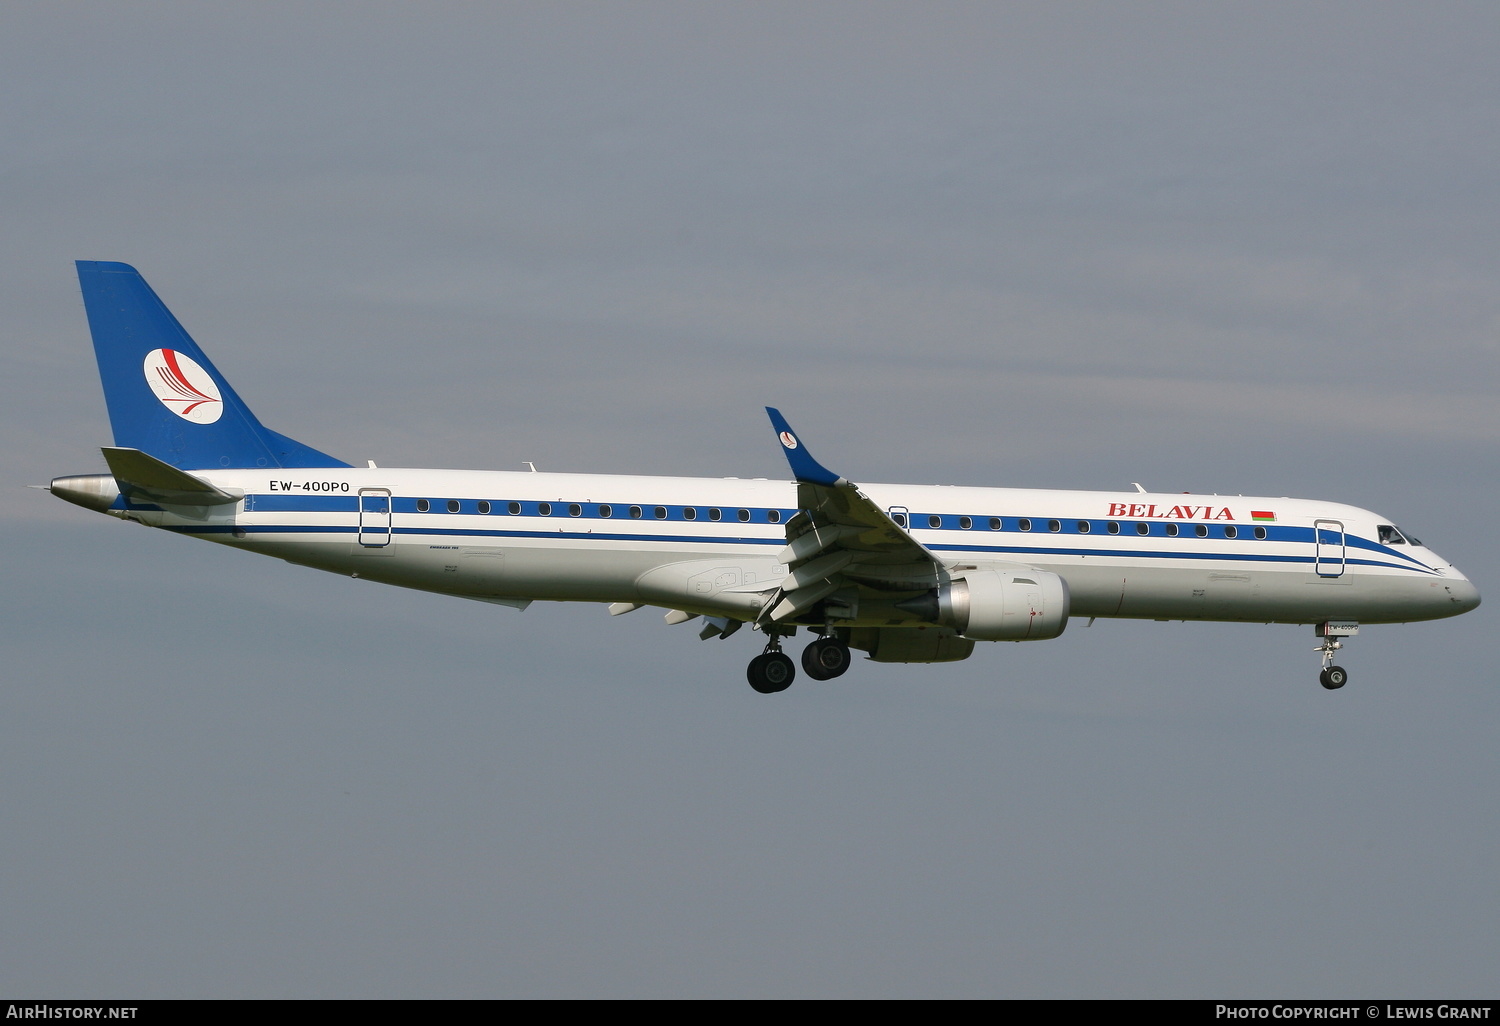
x: 997, y: 605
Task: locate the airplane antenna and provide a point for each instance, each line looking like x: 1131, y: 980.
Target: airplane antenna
x: 531, y: 465
x: 1138, y: 487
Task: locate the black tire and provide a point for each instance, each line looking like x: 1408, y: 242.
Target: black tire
x: 811, y: 664
x: 825, y: 659
x: 1333, y: 678
x: 771, y: 672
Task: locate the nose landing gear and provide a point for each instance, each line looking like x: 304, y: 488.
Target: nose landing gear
x: 1333, y: 677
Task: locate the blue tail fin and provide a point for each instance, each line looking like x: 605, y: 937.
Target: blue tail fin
x: 164, y: 396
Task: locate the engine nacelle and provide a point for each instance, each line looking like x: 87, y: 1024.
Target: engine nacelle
x: 998, y: 605
x: 911, y: 644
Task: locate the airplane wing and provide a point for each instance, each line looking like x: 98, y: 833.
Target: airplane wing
x: 840, y: 538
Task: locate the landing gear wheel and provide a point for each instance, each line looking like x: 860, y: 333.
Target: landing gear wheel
x: 771, y: 672
x: 1333, y: 677
x: 825, y: 658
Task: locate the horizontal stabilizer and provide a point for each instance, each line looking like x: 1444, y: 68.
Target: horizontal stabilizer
x: 144, y: 478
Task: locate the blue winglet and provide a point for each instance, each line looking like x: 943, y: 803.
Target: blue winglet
x: 804, y: 467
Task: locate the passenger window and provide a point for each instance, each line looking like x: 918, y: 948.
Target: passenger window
x: 514, y: 509
x: 423, y: 505
x: 1230, y: 531
x: 1024, y: 524
x: 1260, y: 533
x: 453, y: 506
x: 1054, y: 526
x: 899, y: 518
x: 635, y: 512
x: 1171, y: 530
x: 715, y: 513
x: 575, y: 510
x: 744, y: 516
x: 661, y: 512
x: 773, y: 515
x: 1142, y: 528
x: 994, y: 523
x: 1112, y: 527
x: 934, y: 521
x: 605, y: 511
x: 544, y: 509
x: 965, y: 523
x: 689, y: 513
x: 1201, y: 530
x: 484, y: 507
x: 1084, y: 527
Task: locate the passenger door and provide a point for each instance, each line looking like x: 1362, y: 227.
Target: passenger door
x: 1331, y: 548
x: 374, y: 518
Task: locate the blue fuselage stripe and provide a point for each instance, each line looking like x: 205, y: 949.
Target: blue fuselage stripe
x: 349, y: 504
x: 676, y: 513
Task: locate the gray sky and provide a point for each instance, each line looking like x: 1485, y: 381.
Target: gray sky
x: 1221, y: 247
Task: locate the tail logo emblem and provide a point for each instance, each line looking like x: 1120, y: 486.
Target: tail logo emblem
x: 789, y: 440
x: 183, y: 387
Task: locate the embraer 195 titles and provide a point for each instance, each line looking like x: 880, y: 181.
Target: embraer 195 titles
x: 904, y: 573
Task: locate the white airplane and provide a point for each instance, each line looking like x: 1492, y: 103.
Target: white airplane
x: 904, y: 573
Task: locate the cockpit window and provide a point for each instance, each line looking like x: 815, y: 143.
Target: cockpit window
x: 1389, y: 535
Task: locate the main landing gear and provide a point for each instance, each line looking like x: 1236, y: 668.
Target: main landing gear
x: 825, y: 659
x: 1333, y: 677
x: 773, y: 671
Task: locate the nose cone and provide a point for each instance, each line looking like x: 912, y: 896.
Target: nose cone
x: 1462, y: 593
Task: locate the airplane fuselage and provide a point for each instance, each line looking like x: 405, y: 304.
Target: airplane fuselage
x: 711, y: 546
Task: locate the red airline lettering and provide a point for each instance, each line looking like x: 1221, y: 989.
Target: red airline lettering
x: 1145, y: 512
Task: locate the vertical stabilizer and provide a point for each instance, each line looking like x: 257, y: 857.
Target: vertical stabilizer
x: 164, y: 396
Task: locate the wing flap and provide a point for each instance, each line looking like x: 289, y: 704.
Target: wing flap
x: 790, y: 603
